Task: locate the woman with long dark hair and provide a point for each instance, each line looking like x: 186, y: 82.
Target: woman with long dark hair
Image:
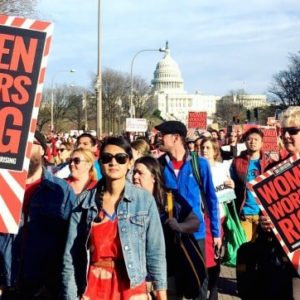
x: 147, y: 174
x: 118, y: 225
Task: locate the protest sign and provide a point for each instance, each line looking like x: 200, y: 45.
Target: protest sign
x: 278, y: 194
x: 24, y: 49
x: 270, y: 143
x: 197, y: 119
x: 136, y: 125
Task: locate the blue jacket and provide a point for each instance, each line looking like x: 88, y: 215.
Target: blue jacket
x: 187, y: 186
x: 40, y: 244
x: 141, y: 238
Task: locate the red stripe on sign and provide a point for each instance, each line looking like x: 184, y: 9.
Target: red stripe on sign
x: 42, y: 75
x: 285, y: 248
x: 38, y: 100
x: 20, y: 177
x: 14, y: 204
x: 3, y: 19
x: 258, y: 179
x: 33, y: 122
x: 3, y: 228
x: 18, y: 22
x: 39, y: 25
x: 47, y: 45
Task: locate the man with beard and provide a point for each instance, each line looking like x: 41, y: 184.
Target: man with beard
x: 31, y: 260
x: 179, y: 175
x: 246, y: 167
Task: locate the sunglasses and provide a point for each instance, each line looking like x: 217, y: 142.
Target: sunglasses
x: 290, y: 130
x: 121, y: 158
x: 75, y: 160
x: 61, y: 150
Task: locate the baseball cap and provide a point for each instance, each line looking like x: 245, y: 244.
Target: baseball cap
x: 172, y: 127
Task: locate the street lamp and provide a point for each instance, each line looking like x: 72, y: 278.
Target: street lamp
x: 52, y: 94
x: 98, y: 84
x: 132, y: 114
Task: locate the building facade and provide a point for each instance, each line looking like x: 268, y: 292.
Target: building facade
x: 170, y: 98
x: 248, y: 101
x: 174, y: 103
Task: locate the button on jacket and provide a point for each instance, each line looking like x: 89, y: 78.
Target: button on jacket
x: 140, y: 234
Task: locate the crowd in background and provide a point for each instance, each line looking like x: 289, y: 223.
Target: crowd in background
x: 110, y: 197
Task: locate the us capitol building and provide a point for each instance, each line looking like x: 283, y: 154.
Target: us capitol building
x: 174, y: 102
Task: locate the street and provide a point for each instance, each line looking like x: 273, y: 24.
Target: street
x: 227, y: 285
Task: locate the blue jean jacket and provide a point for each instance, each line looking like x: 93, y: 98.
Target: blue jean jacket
x: 140, y: 234
x: 42, y: 248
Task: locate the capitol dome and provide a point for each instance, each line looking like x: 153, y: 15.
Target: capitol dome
x: 167, y: 76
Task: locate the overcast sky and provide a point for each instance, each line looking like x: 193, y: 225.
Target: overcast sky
x: 219, y: 45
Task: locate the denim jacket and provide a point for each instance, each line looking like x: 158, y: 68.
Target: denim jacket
x: 141, y: 237
x: 45, y: 234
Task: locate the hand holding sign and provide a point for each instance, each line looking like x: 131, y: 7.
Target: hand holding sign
x: 278, y: 195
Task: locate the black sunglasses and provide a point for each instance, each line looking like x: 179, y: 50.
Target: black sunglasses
x: 75, y: 160
x: 121, y: 158
x: 290, y: 130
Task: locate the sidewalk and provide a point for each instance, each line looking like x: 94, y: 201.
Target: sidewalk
x: 227, y: 285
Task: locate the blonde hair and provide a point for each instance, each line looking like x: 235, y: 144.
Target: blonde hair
x: 141, y: 146
x: 89, y: 157
x: 291, y: 117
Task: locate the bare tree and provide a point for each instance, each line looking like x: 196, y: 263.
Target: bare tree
x: 24, y: 8
x: 116, y: 99
x: 115, y: 86
x: 286, y: 83
x: 142, y: 97
x: 67, y: 108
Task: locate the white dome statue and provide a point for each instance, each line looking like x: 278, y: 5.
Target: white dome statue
x: 167, y: 76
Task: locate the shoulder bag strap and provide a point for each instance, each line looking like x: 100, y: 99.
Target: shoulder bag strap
x: 170, y: 204
x: 197, y: 174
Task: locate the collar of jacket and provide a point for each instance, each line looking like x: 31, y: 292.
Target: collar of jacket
x: 187, y: 157
x: 245, y: 154
x: 90, y: 199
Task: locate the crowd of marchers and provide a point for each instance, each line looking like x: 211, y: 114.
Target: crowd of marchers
x: 101, y: 218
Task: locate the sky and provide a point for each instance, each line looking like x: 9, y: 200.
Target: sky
x: 218, y: 45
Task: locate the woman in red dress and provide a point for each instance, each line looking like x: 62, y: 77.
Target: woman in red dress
x: 119, y: 223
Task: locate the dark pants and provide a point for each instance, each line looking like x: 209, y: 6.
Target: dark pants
x: 203, y: 290
x: 29, y: 293
x: 213, y: 279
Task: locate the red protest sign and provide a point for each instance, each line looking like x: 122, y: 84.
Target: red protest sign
x: 197, y: 119
x: 270, y: 139
x: 24, y: 48
x: 278, y: 195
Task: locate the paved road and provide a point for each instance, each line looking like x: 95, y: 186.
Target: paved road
x: 227, y: 284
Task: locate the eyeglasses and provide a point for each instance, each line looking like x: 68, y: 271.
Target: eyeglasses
x: 290, y: 130
x: 121, y: 158
x: 61, y: 149
x: 75, y: 160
